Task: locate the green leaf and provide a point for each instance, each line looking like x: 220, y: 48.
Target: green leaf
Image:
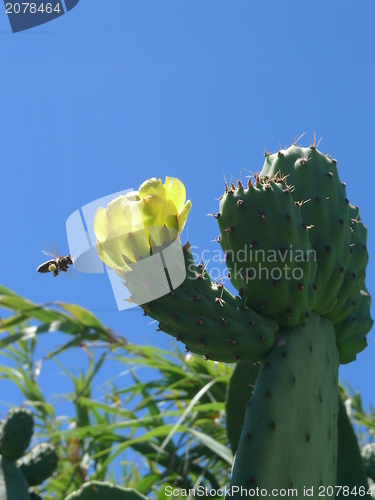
x: 84, y: 316
x: 12, y: 321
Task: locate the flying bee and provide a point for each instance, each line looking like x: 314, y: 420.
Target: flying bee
x: 56, y: 265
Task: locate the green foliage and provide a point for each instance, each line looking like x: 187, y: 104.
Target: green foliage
x: 350, y: 467
x: 173, y: 423
x: 177, y: 427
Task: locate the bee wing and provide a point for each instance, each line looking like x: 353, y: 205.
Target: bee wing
x: 52, y: 250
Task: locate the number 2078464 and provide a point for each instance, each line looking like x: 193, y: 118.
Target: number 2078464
x: 32, y: 8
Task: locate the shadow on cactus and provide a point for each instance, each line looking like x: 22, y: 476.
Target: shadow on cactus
x: 18, y: 470
x: 295, y: 248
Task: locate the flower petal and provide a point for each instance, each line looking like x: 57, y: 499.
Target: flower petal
x: 175, y: 191
x: 101, y: 227
x: 132, y: 212
x: 183, y: 216
x: 153, y: 210
x: 115, y: 213
x: 103, y: 256
x: 152, y: 187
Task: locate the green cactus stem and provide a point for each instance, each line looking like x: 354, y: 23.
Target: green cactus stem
x: 239, y: 392
x: 289, y: 435
x: 13, y: 485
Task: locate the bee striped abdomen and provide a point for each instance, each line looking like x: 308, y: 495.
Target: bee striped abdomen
x: 44, y: 268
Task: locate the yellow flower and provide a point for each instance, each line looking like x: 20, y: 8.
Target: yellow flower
x: 132, y: 225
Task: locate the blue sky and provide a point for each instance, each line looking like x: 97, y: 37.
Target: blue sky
x: 116, y: 92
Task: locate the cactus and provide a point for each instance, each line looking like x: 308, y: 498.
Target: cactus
x: 18, y: 474
x: 239, y: 392
x: 299, y: 326
x: 16, y: 433
x: 101, y: 490
x: 267, y: 250
x: 13, y: 484
x: 35, y: 496
x: 290, y: 423
x: 316, y: 186
x: 351, y: 331
x: 350, y: 467
x: 210, y: 321
x: 354, y: 276
x: 39, y: 464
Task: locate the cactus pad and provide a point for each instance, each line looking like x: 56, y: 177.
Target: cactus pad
x: 39, y: 464
x: 210, y: 321
x: 289, y: 437
x: 13, y: 485
x: 35, y: 496
x: 324, y: 208
x: 16, y: 433
x: 99, y: 490
x: 267, y: 250
x: 351, y: 331
x: 354, y: 275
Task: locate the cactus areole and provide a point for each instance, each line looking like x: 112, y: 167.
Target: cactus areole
x: 295, y: 249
